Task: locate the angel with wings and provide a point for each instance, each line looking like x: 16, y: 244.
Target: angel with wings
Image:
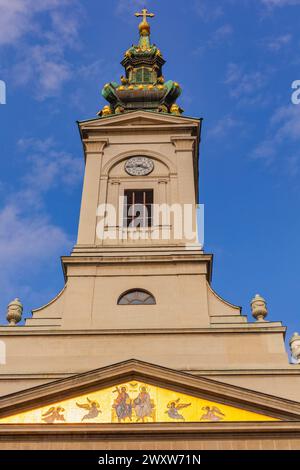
x: 174, y: 407
x: 93, y: 408
x: 212, y: 414
x: 55, y: 413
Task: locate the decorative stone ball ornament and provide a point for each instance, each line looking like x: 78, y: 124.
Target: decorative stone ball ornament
x: 259, y: 308
x: 14, y: 312
x: 295, y: 347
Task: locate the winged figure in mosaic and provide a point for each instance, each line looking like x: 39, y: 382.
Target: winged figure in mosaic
x: 174, y: 407
x: 55, y: 413
x: 93, y: 408
x: 212, y: 413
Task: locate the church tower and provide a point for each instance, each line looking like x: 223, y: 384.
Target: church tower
x: 138, y: 338
x: 139, y: 205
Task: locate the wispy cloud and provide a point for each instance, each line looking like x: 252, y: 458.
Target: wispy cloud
x: 42, y: 65
x: 241, y: 82
x: 218, y: 37
x: 221, y: 33
x: 246, y: 86
x: 276, y: 43
x: 29, y: 248
x: 28, y: 237
x: 49, y: 167
x: 282, y: 140
x: 280, y: 3
x: 44, y: 69
x: 129, y: 7
x: 265, y: 151
x: 19, y: 17
x: 287, y: 120
x: 224, y: 126
x: 25, y: 242
x: 208, y: 10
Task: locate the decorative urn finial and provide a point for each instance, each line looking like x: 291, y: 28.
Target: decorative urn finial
x: 14, y: 312
x: 295, y: 347
x: 259, y: 308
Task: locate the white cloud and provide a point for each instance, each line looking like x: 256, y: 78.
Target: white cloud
x: 219, y: 36
x: 287, y: 120
x: 224, y: 126
x: 266, y: 151
x: 243, y: 83
x: 65, y: 26
x: 29, y: 245
x: 18, y: 17
x: 222, y: 32
x: 277, y: 43
x: 94, y: 69
x: 233, y: 73
x: 282, y: 139
x: 48, y: 166
x: 208, y: 10
x: 26, y: 239
x: 44, y: 69
x: 29, y: 240
x: 129, y: 7
x: 280, y: 3
x: 43, y: 65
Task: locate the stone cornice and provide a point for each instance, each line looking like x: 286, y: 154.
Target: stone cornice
x: 137, y: 258
x: 139, y: 431
x: 292, y: 370
x: 147, y: 117
x: 239, y: 328
x: 149, y: 258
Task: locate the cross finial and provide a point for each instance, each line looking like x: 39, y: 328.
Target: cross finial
x: 145, y: 14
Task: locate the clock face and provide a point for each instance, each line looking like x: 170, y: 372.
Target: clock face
x: 139, y: 166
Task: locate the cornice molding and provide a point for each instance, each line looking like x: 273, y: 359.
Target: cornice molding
x: 239, y: 328
x: 139, y: 431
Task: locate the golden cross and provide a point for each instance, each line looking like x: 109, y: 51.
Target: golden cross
x: 145, y: 14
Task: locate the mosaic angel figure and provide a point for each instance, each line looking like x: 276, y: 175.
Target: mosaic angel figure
x: 93, y: 408
x: 174, y: 407
x: 55, y: 413
x: 212, y: 414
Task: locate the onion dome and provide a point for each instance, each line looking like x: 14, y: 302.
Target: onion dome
x: 143, y: 85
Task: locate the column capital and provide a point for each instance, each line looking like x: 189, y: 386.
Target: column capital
x: 162, y: 181
x: 183, y: 143
x: 95, y: 145
x: 115, y: 182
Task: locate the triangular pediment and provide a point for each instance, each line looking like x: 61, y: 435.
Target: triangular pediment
x: 138, y: 392
x: 139, y: 118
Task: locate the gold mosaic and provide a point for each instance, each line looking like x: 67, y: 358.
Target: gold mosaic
x: 134, y: 402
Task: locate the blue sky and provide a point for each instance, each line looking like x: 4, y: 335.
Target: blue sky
x: 235, y: 60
